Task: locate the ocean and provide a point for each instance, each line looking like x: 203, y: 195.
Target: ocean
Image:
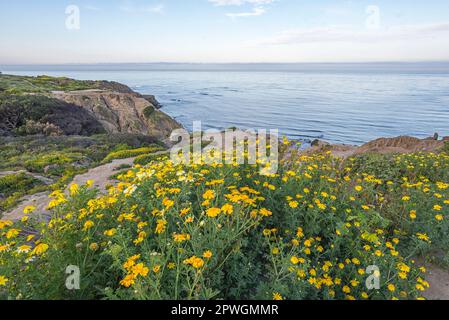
x: 339, y: 103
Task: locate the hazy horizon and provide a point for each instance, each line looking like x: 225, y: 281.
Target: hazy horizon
x: 356, y: 67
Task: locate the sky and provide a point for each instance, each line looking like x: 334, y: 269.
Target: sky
x: 222, y: 31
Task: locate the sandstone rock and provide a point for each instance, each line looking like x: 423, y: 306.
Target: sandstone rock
x: 152, y: 99
x: 402, y: 144
x: 121, y: 112
x: 319, y: 143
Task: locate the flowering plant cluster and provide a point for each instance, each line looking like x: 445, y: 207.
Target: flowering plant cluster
x: 206, y: 231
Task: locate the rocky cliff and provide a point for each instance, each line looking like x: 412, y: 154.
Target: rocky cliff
x: 75, y: 107
x: 121, y: 112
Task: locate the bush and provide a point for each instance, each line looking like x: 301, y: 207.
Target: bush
x: 32, y: 128
x: 15, y: 186
x: 227, y: 232
x: 54, y: 160
x: 23, y: 114
x: 12, y: 183
x: 145, y: 159
x: 123, y: 154
x: 59, y: 158
x: 148, y: 111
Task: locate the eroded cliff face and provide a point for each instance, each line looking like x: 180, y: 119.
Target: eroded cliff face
x: 122, y: 112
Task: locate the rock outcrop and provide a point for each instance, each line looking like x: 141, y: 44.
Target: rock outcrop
x: 63, y: 106
x: 402, y: 144
x: 122, y: 111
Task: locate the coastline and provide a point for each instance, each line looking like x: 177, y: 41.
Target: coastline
x: 351, y: 108
x: 133, y: 183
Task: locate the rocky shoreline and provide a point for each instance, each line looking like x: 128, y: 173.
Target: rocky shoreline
x: 401, y: 144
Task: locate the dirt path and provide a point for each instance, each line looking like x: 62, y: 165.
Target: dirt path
x: 100, y: 175
x: 438, y: 279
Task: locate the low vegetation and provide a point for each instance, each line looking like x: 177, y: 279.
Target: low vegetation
x: 19, y: 85
x: 148, y: 111
x: 130, y: 153
x: 57, y: 140
x: 318, y: 229
x: 145, y: 159
x: 14, y: 186
x: 57, y: 158
x: 33, y: 114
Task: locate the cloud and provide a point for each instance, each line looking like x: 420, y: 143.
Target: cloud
x: 91, y: 8
x: 257, y: 10
x: 240, y: 2
x: 254, y: 13
x: 156, y: 9
x: 349, y: 34
x: 131, y: 8
x: 336, y: 11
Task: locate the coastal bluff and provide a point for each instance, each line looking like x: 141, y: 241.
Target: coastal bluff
x: 62, y: 106
x: 121, y: 112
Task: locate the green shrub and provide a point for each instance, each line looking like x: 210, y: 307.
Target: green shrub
x: 16, y: 111
x: 56, y: 159
x: 12, y: 183
x: 379, y: 165
x: 45, y: 84
x: 123, y: 154
x: 445, y: 148
x: 148, y: 111
x: 14, y: 186
x: 145, y: 159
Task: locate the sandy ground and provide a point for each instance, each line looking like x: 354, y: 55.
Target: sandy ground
x: 438, y: 279
x: 100, y: 175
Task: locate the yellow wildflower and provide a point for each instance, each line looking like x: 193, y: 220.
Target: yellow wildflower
x: 209, y: 195
x: 293, y: 204
x: 227, y: 209
x: 207, y: 254
x: 110, y: 232
x: 265, y: 212
x: 213, y: 212
x: 161, y: 226
x: 29, y: 209
x: 277, y: 296
x: 40, y: 248
x: 88, y: 225
x: 3, y: 281
x: 128, y: 281
x: 12, y: 233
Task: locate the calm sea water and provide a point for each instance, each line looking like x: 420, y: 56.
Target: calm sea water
x: 341, y: 106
